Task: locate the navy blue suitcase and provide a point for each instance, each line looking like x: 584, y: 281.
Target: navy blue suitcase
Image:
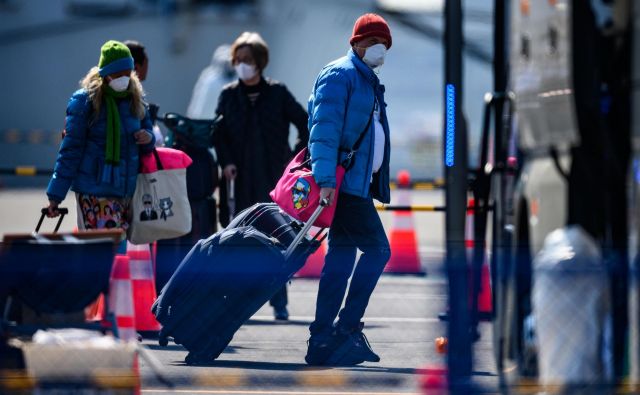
x: 226, y: 278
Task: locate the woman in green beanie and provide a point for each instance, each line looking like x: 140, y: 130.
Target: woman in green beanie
x: 107, y: 128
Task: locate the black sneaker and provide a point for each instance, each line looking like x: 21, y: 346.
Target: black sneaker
x: 362, y: 341
x: 345, y: 355
x: 355, y: 350
x: 335, y: 351
x: 319, y: 349
x: 281, y: 313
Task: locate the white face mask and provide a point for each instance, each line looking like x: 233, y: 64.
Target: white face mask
x: 119, y: 84
x: 245, y: 71
x: 374, y: 55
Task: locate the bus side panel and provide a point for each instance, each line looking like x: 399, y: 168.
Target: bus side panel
x: 540, y: 59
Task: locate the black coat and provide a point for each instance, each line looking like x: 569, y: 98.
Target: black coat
x: 255, y: 138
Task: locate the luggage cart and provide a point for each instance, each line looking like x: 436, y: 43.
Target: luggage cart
x: 54, y: 276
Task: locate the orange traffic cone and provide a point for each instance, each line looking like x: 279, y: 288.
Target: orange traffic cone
x: 121, y: 298
x: 313, y: 267
x: 484, y: 293
x: 95, y: 311
x: 144, y: 288
x: 404, y: 244
x: 485, y: 304
x: 433, y: 380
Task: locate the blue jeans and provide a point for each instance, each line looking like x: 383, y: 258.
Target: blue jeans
x: 356, y: 225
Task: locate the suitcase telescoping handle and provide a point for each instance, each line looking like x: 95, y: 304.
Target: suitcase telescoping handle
x: 231, y: 198
x: 323, y: 203
x: 44, y: 211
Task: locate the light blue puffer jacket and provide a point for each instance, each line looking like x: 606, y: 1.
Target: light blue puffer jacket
x: 82, y: 152
x: 339, y: 109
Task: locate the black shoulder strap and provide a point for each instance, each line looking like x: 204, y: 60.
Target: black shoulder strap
x: 356, y: 146
x: 348, y: 162
x: 157, y: 157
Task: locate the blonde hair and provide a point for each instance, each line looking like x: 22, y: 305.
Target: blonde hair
x: 94, y: 84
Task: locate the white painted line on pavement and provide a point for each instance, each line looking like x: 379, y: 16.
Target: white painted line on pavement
x: 401, y: 296
x: 412, y: 280
x: 399, y: 279
x: 266, y: 392
x: 432, y: 250
x: 404, y: 320
x: 381, y: 295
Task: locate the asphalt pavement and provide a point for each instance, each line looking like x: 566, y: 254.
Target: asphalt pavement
x: 267, y: 357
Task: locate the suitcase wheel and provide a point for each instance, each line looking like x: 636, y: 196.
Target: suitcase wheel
x: 196, y: 359
x: 221, y: 347
x: 163, y: 338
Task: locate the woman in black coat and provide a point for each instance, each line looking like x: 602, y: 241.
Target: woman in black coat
x: 252, y: 137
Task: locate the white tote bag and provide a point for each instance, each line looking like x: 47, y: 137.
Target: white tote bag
x: 160, y: 205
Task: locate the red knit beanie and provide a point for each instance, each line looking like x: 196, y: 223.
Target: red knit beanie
x: 370, y: 25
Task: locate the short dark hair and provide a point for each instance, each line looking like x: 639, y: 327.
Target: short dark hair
x: 137, y: 51
x: 257, y: 46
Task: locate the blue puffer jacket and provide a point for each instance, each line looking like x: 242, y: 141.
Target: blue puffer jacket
x: 82, y: 151
x: 339, y: 109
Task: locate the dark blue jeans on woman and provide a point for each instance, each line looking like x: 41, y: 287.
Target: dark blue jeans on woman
x: 356, y: 225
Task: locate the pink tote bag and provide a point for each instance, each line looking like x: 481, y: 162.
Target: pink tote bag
x: 298, y: 195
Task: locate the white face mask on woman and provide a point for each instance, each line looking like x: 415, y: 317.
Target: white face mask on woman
x: 245, y: 71
x: 119, y: 84
x: 374, y: 55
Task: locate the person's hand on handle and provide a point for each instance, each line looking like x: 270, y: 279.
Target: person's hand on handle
x: 327, y: 193
x: 142, y: 137
x: 230, y: 172
x: 52, y: 209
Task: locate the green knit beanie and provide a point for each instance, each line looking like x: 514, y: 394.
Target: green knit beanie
x: 114, y: 57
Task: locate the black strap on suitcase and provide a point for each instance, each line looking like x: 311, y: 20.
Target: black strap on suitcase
x: 226, y: 278
x: 269, y: 219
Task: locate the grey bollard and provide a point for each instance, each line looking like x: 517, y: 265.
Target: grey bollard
x: 571, y: 309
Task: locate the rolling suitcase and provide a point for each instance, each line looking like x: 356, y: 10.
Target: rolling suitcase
x: 226, y: 278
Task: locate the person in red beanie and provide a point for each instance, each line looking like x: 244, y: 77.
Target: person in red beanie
x: 348, y: 124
